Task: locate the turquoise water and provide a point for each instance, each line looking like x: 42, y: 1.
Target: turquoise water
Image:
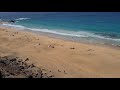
x: 103, y: 26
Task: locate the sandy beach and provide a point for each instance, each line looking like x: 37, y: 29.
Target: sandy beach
x: 64, y: 59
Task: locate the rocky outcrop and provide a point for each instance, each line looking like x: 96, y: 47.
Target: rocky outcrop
x: 14, y: 67
x: 12, y: 21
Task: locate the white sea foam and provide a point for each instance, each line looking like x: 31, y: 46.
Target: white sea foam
x: 64, y: 32
x: 15, y: 26
x: 22, y: 18
x: 76, y: 34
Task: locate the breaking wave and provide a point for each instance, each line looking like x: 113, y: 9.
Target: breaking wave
x: 82, y: 34
x: 22, y: 18
x: 14, y: 26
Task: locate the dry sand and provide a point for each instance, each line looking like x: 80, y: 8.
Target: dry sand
x: 64, y: 59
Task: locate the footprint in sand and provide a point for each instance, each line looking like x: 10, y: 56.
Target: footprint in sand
x: 16, y: 33
x: 90, y: 50
x: 61, y: 71
x: 65, y: 72
x: 51, y: 46
x: 12, y: 35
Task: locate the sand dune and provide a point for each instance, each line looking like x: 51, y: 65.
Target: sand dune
x: 64, y: 59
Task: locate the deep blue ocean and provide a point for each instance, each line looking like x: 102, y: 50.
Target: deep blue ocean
x: 104, y: 26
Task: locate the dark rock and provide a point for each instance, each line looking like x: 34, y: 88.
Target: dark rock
x: 51, y: 76
x: 32, y: 65
x: 22, y: 67
x: 1, y: 76
x: 72, y: 48
x: 118, y: 45
x: 2, y: 62
x: 12, y: 73
x: 12, y: 60
x: 13, y: 21
x: 22, y: 63
x: 27, y: 59
x: 11, y: 67
x: 30, y: 76
x: 41, y: 74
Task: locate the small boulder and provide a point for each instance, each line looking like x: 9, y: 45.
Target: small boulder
x: 72, y: 48
x: 13, y: 21
x: 27, y: 59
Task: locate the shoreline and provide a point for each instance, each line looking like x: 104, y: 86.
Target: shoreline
x: 70, y: 38
x: 64, y: 58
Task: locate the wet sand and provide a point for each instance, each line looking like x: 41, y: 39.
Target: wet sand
x: 64, y: 59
